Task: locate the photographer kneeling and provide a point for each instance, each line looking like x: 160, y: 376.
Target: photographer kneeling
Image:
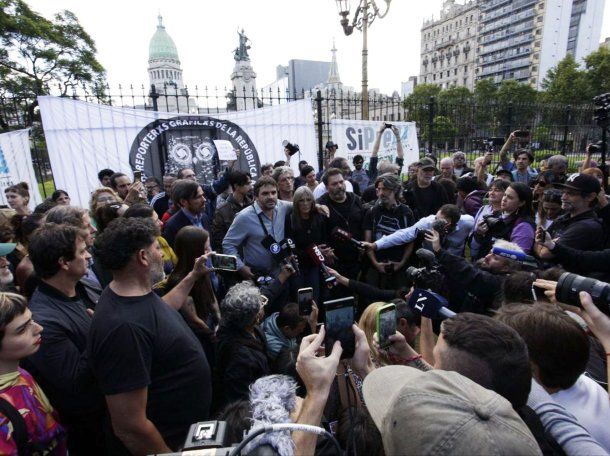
x: 476, y: 287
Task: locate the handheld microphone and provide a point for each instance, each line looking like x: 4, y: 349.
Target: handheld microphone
x: 431, y: 305
x: 318, y: 259
x: 346, y: 236
x: 288, y: 253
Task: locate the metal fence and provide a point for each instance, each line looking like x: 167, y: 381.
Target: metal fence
x: 442, y: 127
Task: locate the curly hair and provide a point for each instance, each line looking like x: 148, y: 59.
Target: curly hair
x: 122, y: 238
x: 240, y: 305
x: 93, y: 204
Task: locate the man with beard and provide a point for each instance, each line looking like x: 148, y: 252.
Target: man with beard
x: 346, y: 213
x: 383, y: 219
x: 147, y: 362
x: 60, y: 259
x: 425, y: 196
x: 255, y: 229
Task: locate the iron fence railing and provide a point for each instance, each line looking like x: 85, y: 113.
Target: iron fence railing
x: 443, y: 126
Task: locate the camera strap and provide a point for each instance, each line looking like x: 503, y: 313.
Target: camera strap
x: 261, y: 221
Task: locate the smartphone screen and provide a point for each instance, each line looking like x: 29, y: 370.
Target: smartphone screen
x: 305, y: 296
x: 137, y: 176
x: 338, y: 325
x: 386, y: 324
x: 224, y: 262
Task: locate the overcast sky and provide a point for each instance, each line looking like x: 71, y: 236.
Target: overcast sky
x: 205, y: 34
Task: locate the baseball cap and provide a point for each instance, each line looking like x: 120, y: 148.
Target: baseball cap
x: 330, y: 144
x: 6, y: 248
x: 581, y: 182
x: 426, y: 163
x: 442, y: 413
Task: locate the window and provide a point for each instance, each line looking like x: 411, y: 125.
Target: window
x: 455, y: 71
x: 447, y: 73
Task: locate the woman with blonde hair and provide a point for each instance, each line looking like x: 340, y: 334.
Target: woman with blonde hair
x: 101, y: 197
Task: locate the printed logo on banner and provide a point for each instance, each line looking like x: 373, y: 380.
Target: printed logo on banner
x: 5, y: 173
x: 188, y: 142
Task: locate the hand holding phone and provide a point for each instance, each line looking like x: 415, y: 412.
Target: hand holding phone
x: 137, y: 176
x: 305, y: 299
x: 338, y: 321
x: 224, y: 262
x: 386, y: 324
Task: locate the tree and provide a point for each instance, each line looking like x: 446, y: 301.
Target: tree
x: 597, y: 66
x: 417, y: 106
x: 566, y: 83
x: 485, y: 91
x: 37, y: 53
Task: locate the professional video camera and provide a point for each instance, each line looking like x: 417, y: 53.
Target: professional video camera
x: 428, y: 276
x: 292, y: 148
x: 570, y: 285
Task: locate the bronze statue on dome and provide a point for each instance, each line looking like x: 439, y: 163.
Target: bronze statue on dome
x: 241, y: 52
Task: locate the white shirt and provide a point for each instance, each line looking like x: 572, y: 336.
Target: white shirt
x: 589, y: 403
x: 321, y: 189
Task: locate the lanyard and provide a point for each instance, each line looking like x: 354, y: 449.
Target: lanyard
x: 260, y: 219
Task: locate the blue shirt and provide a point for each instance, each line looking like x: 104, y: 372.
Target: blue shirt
x: 454, y: 242
x: 195, y: 219
x: 246, y: 232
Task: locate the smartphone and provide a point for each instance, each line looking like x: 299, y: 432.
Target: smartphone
x: 522, y: 134
x: 540, y: 235
x: 137, y: 176
x: 388, y: 126
x: 305, y: 297
x: 386, y: 324
x: 224, y: 262
x: 338, y: 321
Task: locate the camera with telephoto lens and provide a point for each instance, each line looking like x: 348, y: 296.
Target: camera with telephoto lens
x: 292, y: 148
x: 495, y: 224
x: 429, y: 275
x: 570, y: 285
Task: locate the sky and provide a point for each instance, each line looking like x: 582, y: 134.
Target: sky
x: 205, y: 34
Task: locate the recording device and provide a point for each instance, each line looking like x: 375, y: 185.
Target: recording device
x: 600, y: 114
x: 346, y: 236
x: 595, y: 148
x: 137, y: 176
x: 272, y: 399
x: 525, y: 260
x: 224, y: 262
x: 569, y: 285
x: 541, y: 235
x: 490, y: 144
x: 317, y: 258
x: 283, y: 252
x: 338, y: 321
x: 388, y: 126
x: 386, y: 324
x: 522, y: 134
x: 430, y: 305
x: 292, y: 148
x: 428, y: 276
x: 495, y: 223
x: 305, y: 298
x: 206, y: 434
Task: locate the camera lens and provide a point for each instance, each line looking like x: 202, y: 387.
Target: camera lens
x: 569, y: 285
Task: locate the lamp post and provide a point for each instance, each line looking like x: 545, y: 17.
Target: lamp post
x: 364, y: 16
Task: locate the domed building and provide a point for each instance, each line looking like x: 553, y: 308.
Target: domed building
x: 165, y: 73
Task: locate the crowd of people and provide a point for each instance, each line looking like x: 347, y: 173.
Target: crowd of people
x: 119, y: 330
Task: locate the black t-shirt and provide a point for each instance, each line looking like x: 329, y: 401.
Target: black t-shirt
x: 426, y: 201
x: 383, y: 222
x: 348, y: 216
x: 138, y: 342
x: 582, y: 232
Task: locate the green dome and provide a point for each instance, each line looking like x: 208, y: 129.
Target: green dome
x: 161, y: 44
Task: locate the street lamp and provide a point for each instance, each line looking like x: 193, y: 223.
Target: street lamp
x: 365, y: 14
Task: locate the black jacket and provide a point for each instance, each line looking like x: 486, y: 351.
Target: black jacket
x: 241, y: 359
x: 223, y: 218
x: 345, y: 251
x: 464, y: 279
x: 176, y: 222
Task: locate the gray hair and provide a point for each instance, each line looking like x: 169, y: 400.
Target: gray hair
x: 459, y: 152
x: 557, y: 160
x: 66, y: 215
x: 240, y: 305
x: 281, y: 170
x: 385, y: 166
x: 447, y: 160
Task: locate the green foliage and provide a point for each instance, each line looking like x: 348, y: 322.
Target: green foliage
x: 36, y: 53
x: 566, y: 83
x: 597, y: 74
x: 444, y: 130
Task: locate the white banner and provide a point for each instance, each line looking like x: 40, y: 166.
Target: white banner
x: 16, y: 164
x: 356, y: 137
x: 83, y: 138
